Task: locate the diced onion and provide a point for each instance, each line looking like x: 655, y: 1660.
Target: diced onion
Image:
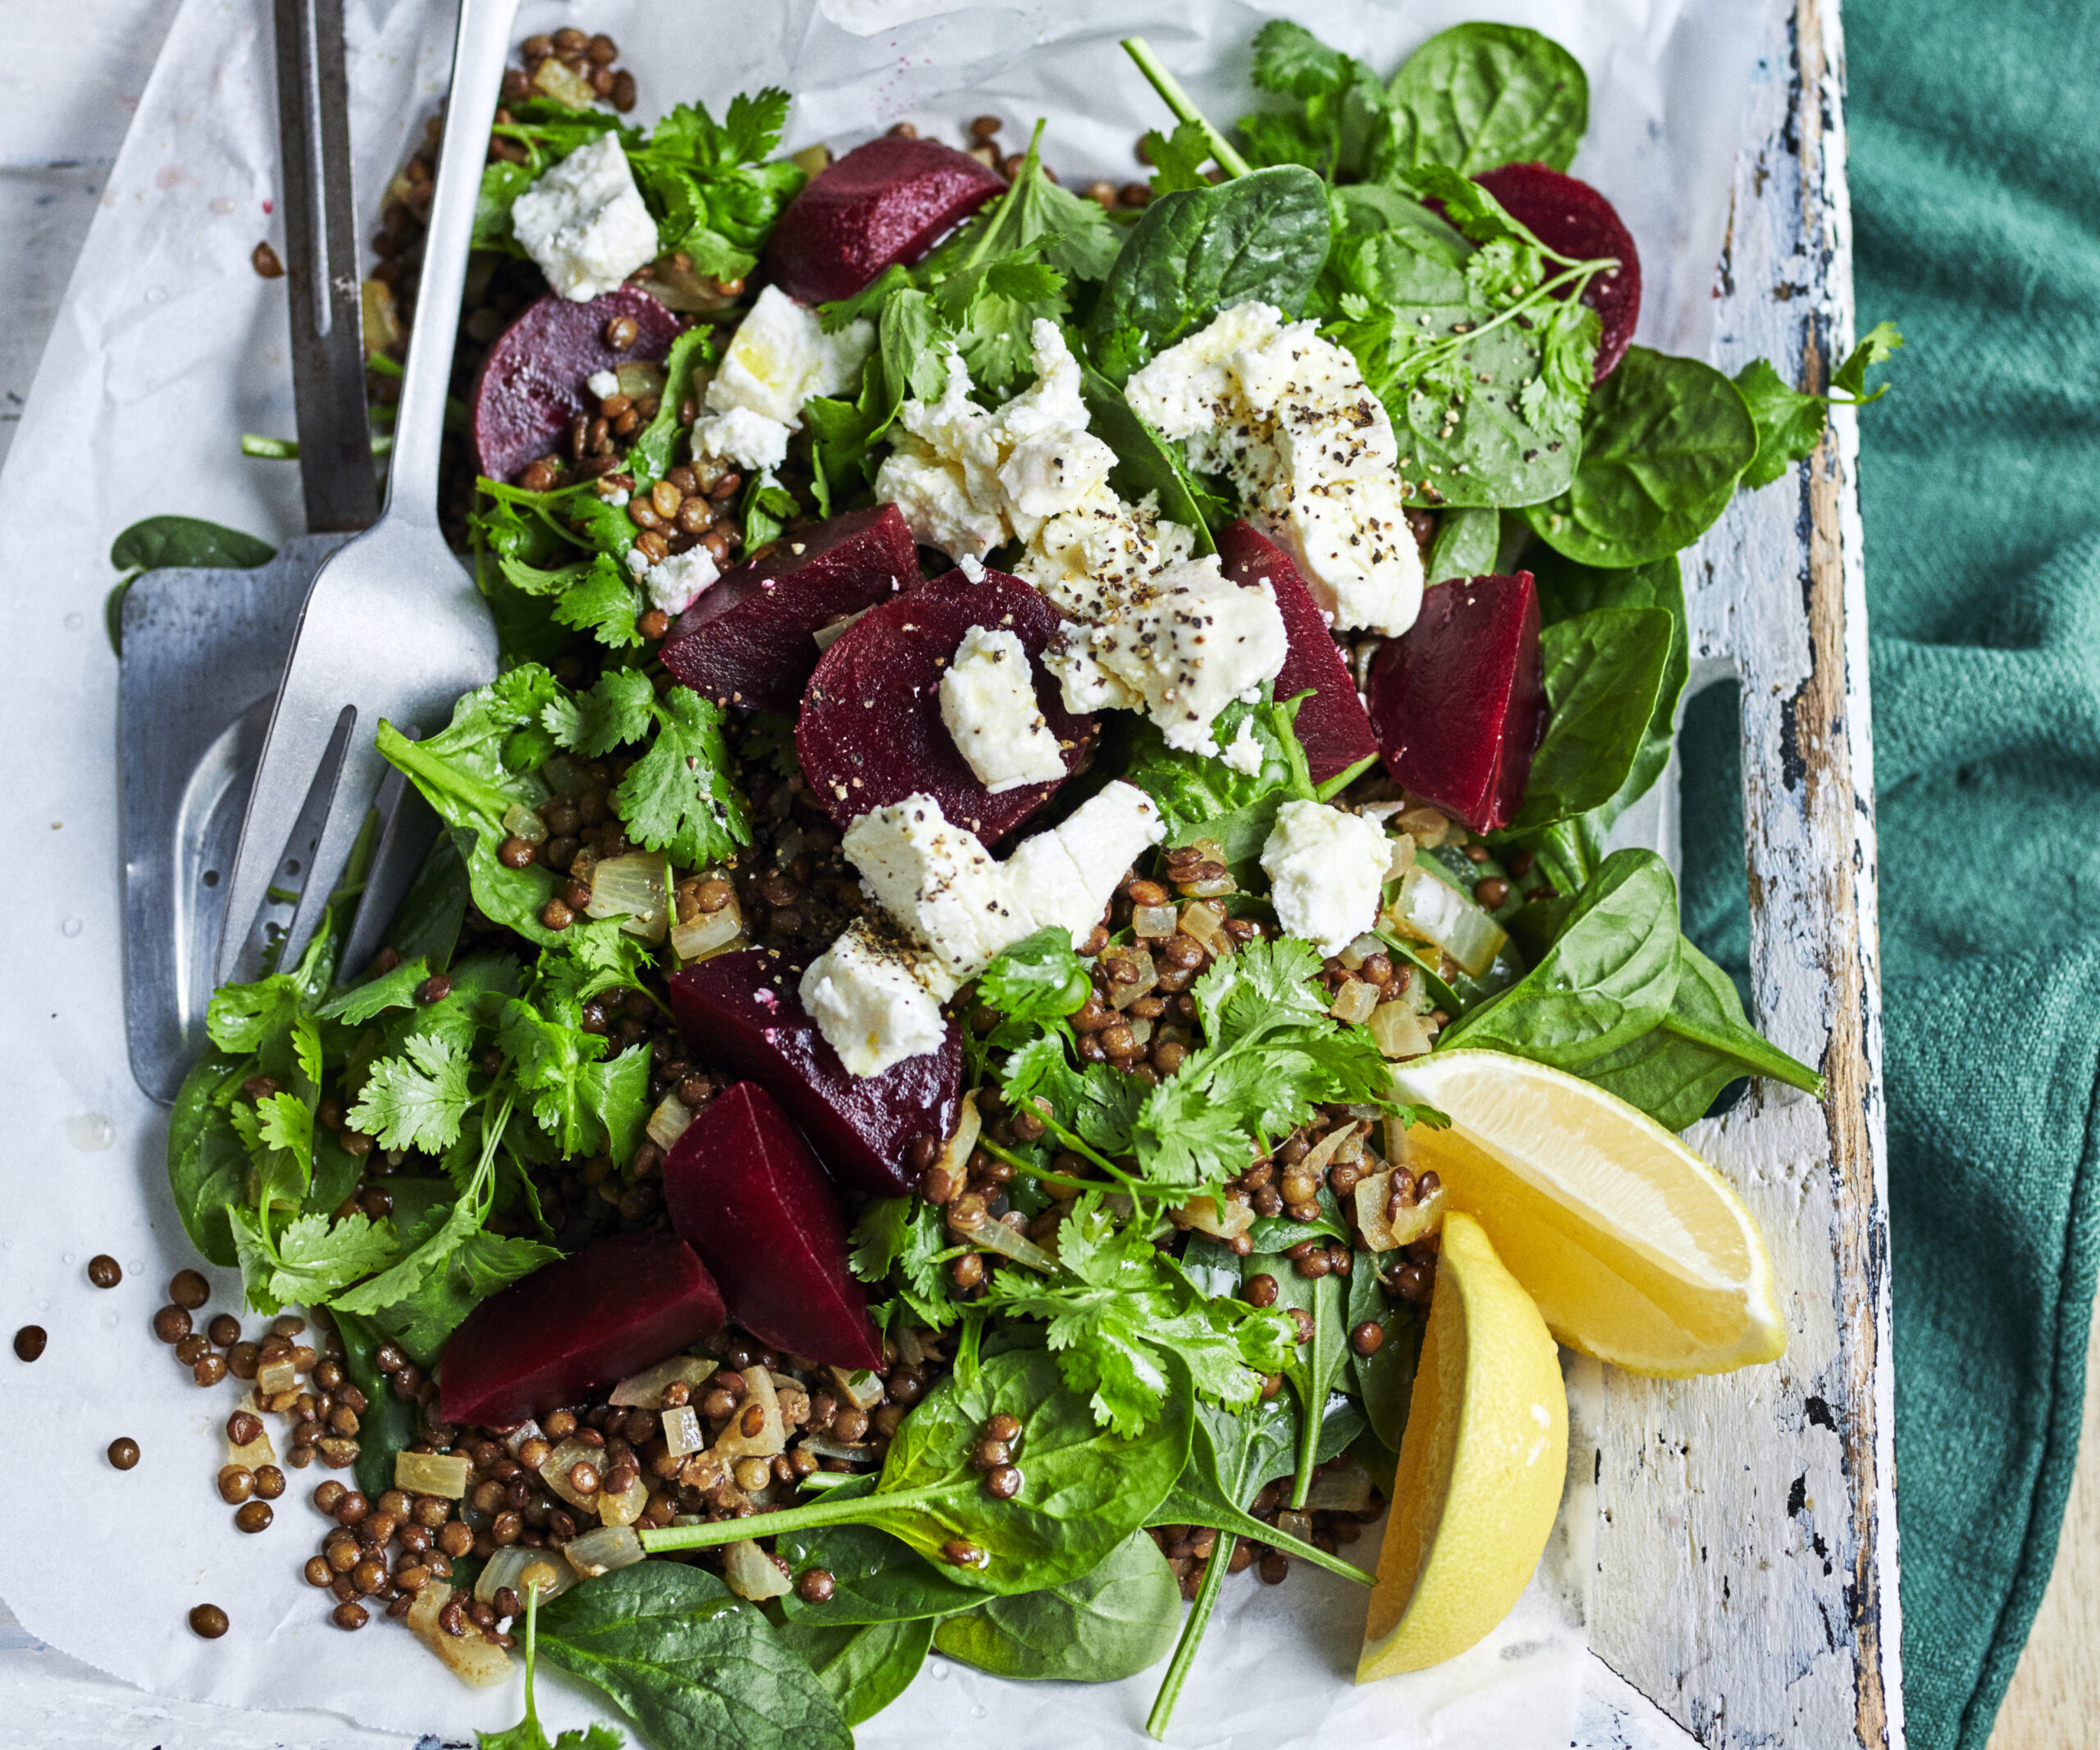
x: 811, y: 160
x: 555, y: 1471
x: 826, y: 637
x: 645, y: 1390
x: 1403, y: 858
x: 1141, y: 1031
x: 600, y: 1551
x: 1428, y: 827
x: 822, y: 1446
x: 1297, y: 1525
x: 1398, y: 1031
x: 258, y: 1451
x: 751, y: 1573
x: 1155, y: 921
x: 995, y: 1236
x: 1432, y: 910
x: 563, y: 84
x: 507, y: 1568
x: 1202, y: 1214
x: 1415, y: 1221
x: 954, y: 1158
x: 429, y: 1473
x: 1355, y: 1002
x: 468, y: 1658
x: 273, y: 1376
x: 623, y: 1506
x: 524, y: 823
x: 860, y: 1388
x: 668, y: 1122
x: 707, y: 934
x: 1204, y: 921
x: 1344, y: 1486
x: 525, y: 1431
x: 1209, y: 850
x: 682, y: 1434
x: 639, y: 378
x: 1330, y: 1146
x: 1143, y: 977
x: 772, y: 1435
x: 635, y: 888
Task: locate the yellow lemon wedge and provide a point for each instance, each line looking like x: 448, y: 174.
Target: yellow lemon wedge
x: 1636, y: 1251
x: 1480, y: 1470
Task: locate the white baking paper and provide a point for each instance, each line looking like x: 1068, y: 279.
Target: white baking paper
x: 168, y: 347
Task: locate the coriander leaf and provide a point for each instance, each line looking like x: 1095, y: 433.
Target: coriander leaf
x: 311, y: 1259
x: 1875, y: 346
x: 1335, y: 100
x: 1178, y: 158
x: 416, y: 1101
x: 1097, y: 1104
x: 605, y: 600
x: 766, y: 507
x: 677, y: 797
x: 651, y: 455
x: 619, y: 708
x: 1039, y: 979
x: 1789, y: 424
x: 362, y: 1002
x: 878, y: 1237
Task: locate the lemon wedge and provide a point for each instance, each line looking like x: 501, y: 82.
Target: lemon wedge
x: 1636, y: 1251
x: 1481, y: 1469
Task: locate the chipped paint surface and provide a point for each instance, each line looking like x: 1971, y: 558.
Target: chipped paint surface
x: 1747, y: 1528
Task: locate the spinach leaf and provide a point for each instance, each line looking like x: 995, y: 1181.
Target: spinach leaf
x: 1197, y: 251
x: 1278, y: 1233
x: 434, y: 910
x: 389, y: 1424
x: 1567, y: 589
x: 165, y: 540
x: 1199, y: 796
x: 1604, y: 676
x: 1611, y: 976
x: 1315, y: 1365
x: 1111, y: 1624
x: 864, y: 1666
x: 1232, y: 1456
x: 694, y: 1667
x: 1084, y: 1491
x: 1704, y: 1043
x: 874, y: 1577
x: 1385, y: 1378
x: 1467, y: 542
x: 207, y: 1167
x: 1479, y: 96
x: 1664, y: 441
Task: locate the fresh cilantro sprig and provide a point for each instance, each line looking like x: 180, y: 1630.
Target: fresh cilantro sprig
x: 1790, y: 422
x: 529, y: 1733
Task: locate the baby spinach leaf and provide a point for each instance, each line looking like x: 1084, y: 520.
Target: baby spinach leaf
x: 1610, y: 977
x: 165, y: 540
x: 1111, y: 1624
x: 1479, y: 96
x: 1385, y: 1378
x: 389, y: 1424
x: 1673, y: 1071
x: 1465, y: 544
x: 864, y: 1667
x: 1084, y: 1491
x: 207, y: 1165
x: 874, y: 1577
x: 694, y: 1667
x: 1315, y: 1365
x: 1664, y: 441
x: 1199, y: 796
x: 1197, y: 251
x: 1604, y: 674
x: 426, y: 925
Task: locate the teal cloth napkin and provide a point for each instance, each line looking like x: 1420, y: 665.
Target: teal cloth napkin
x: 1976, y: 202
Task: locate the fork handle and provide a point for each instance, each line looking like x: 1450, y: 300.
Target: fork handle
x: 478, y: 55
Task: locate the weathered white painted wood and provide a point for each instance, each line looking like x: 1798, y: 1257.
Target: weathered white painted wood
x: 1746, y: 1548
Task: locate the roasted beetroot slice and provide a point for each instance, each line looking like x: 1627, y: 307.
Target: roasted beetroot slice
x: 1573, y: 217
x: 573, y: 1328
x: 750, y: 640
x: 871, y: 732
x: 747, y: 1194
x: 1331, y: 725
x: 1457, y: 700
x: 742, y: 1010
x: 531, y: 383
x: 888, y: 201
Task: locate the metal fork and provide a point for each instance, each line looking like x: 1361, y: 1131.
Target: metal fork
x: 392, y: 626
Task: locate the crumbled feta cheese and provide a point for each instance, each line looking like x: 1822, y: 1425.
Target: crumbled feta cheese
x: 584, y: 222
x: 1286, y: 417
x: 1245, y: 753
x: 988, y: 701
x: 1192, y: 642
x: 936, y: 880
x: 1326, y: 868
x: 970, y: 566
x: 675, y: 583
x: 603, y: 383
x: 1067, y: 876
x: 781, y: 356
x: 752, y: 440
x: 637, y: 561
x: 943, y: 476
x: 876, y: 998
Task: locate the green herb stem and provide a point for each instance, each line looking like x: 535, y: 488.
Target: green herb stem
x: 860, y: 1508
x: 1184, y: 107
x: 286, y: 449
x: 1021, y: 1164
x: 1192, y: 1635
x: 1582, y: 271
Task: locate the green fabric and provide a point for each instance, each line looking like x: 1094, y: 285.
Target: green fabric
x: 1976, y: 205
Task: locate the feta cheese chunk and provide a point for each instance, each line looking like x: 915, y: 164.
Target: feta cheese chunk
x: 1067, y: 876
x: 584, y: 222
x: 781, y: 356
x: 1243, y: 752
x: 943, y: 476
x: 603, y: 383
x: 937, y: 881
x: 1287, y: 418
x: 752, y: 440
x: 876, y: 998
x: 1326, y: 868
x: 1192, y: 642
x: 988, y: 701
x: 675, y: 583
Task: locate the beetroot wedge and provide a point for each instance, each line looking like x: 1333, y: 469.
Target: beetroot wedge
x: 747, y: 1194
x: 531, y: 383
x: 1458, y: 700
x: 1331, y: 725
x: 620, y: 1304
x: 890, y: 200
x: 1570, y: 216
x: 871, y: 730
x: 742, y: 1010
x: 750, y: 638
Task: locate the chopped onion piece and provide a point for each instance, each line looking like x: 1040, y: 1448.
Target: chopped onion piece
x: 1432, y: 910
x: 1159, y: 922
x: 381, y: 317
x: 751, y: 1573
x: 468, y: 1658
x: 954, y: 1158
x: 1297, y: 1525
x: 600, y: 1551
x: 909, y: 1349
x: 1344, y: 1487
x: 668, y: 1122
x: 1209, y: 850
x: 563, y: 84
x: 554, y: 1472
x: 826, y: 635
x: 1428, y: 827
x: 1398, y: 1031
x: 1415, y: 1221
x: 822, y: 1446
x: 995, y: 1236
x: 682, y: 1434
x: 707, y: 934
x: 1403, y: 858
x: 624, y: 1507
x: 273, y: 1376
x: 1204, y: 921
x: 1354, y: 1004
x: 428, y: 1473
x: 1141, y: 977
x: 639, y: 379
x: 860, y: 1388
x: 525, y: 1430
x: 1202, y: 1214
x: 771, y: 1435
x: 1141, y: 1031
x: 1328, y: 1147
x: 645, y: 1390
x: 636, y: 887
x: 1363, y: 947
x: 507, y: 1568
x: 524, y: 823
x: 257, y: 1451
